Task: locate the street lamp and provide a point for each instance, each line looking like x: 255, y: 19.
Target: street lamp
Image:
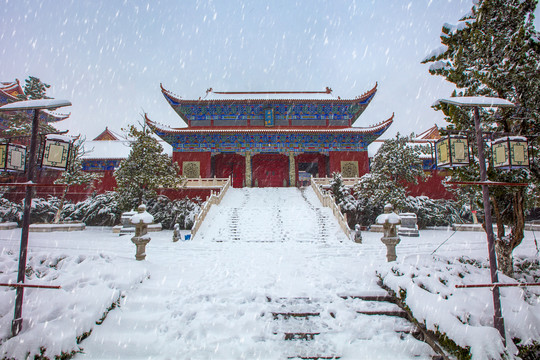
x: 36, y: 105
x: 475, y: 103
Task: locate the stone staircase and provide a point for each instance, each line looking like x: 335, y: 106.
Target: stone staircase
x: 294, y: 217
x: 366, y: 324
x: 343, y: 327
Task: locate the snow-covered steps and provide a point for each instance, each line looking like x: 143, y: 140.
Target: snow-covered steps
x: 338, y: 326
x: 270, y: 215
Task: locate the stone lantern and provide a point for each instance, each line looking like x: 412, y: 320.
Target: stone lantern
x: 389, y: 220
x: 141, y: 220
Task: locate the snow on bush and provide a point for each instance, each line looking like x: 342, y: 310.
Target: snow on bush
x: 10, y: 212
x: 97, y: 210
x: 169, y: 212
x: 55, y: 321
x: 104, y: 210
x: 426, y: 283
x: 433, y: 212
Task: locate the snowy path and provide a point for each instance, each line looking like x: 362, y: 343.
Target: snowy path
x: 271, y: 215
x: 259, y: 252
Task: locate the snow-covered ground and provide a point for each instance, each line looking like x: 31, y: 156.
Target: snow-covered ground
x: 259, y: 252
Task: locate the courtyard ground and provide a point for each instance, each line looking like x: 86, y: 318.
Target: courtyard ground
x: 259, y: 252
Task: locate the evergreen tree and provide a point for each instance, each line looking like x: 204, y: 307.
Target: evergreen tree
x: 495, y: 51
x: 145, y: 170
x: 35, y: 89
x: 74, y: 175
x: 338, y: 189
x: 20, y: 123
x: 396, y: 163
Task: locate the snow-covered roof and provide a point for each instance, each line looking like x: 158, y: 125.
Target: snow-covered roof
x: 430, y: 134
x: 11, y: 89
x: 109, y: 134
x: 374, y: 147
x: 114, y: 149
x: 481, y: 101
x: 211, y: 95
x: 35, y: 104
x: 65, y: 138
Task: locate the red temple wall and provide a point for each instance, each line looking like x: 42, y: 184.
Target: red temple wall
x: 432, y: 187
x: 204, y: 159
x: 336, y: 158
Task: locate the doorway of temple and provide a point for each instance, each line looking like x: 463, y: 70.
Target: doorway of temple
x: 232, y: 165
x: 270, y: 170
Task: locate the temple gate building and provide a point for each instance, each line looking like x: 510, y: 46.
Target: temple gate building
x: 270, y: 139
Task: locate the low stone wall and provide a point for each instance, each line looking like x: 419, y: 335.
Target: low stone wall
x: 57, y: 227
x: 8, y: 225
x: 462, y: 227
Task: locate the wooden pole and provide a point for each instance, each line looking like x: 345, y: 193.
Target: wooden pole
x: 498, y: 320
x: 16, y: 325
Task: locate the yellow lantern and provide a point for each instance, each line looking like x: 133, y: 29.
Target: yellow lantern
x: 452, y: 151
x: 510, y: 152
x: 15, y: 159
x: 3, y: 153
x: 56, y: 152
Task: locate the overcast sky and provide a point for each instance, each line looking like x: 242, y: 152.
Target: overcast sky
x: 109, y: 57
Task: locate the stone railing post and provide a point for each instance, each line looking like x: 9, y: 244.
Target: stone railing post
x: 141, y: 238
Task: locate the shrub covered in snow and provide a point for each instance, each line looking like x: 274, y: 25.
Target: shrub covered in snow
x: 42, y: 210
x: 433, y: 212
x: 363, y: 210
x: 170, y: 212
x: 97, y: 210
x: 104, y: 210
x: 10, y: 212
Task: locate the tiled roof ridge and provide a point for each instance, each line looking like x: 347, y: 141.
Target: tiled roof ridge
x: 328, y: 90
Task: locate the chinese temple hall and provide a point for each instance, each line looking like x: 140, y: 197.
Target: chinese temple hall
x: 270, y: 139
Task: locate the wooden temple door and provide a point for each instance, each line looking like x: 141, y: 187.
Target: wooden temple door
x: 232, y: 165
x: 270, y: 170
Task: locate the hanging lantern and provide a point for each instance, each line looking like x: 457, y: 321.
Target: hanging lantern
x: 3, y: 153
x: 13, y: 157
x: 56, y: 152
x: 510, y: 152
x: 452, y: 151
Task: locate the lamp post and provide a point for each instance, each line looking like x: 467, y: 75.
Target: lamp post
x: 475, y: 103
x: 36, y: 106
